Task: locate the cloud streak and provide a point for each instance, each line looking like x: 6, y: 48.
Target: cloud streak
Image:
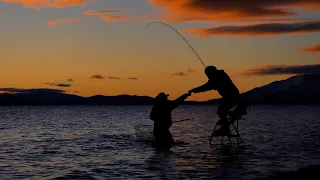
x: 283, y: 70
x: 107, y: 15
x: 103, y: 12
x: 191, y: 70
x: 97, y: 76
x: 222, y: 10
x: 270, y: 29
x: 59, y: 84
x: 61, y: 21
x: 113, y: 18
x: 312, y: 49
x: 38, y: 4
x: 178, y: 74
x: 114, y: 77
x: 132, y: 78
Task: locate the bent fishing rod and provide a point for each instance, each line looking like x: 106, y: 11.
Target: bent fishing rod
x: 180, y: 36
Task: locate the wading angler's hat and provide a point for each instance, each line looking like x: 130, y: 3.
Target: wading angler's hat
x: 161, y: 95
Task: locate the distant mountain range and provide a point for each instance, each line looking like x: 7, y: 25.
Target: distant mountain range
x: 300, y: 89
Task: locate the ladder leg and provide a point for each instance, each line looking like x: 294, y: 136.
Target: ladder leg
x: 229, y: 140
x: 237, y: 130
x: 212, y: 134
x: 238, y: 135
x: 210, y: 139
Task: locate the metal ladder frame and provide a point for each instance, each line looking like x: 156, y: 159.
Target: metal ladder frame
x: 236, y: 128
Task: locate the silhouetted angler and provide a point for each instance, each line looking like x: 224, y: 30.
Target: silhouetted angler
x: 161, y: 115
x: 220, y: 81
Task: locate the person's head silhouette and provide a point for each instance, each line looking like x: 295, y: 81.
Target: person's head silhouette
x: 161, y: 97
x: 210, y: 71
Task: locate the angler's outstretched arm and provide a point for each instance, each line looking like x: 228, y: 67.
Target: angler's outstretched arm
x: 206, y: 87
x: 179, y: 100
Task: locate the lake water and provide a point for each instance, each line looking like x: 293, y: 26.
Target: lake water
x: 113, y: 142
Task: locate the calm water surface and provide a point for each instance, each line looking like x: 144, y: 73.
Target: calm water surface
x: 113, y: 142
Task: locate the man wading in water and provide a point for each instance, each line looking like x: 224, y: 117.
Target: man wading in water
x: 161, y: 115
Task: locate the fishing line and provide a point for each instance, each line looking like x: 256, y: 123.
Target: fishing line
x: 183, y: 120
x: 184, y: 40
x: 180, y: 36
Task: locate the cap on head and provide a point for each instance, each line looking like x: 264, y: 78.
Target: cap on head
x: 210, y: 69
x: 161, y: 95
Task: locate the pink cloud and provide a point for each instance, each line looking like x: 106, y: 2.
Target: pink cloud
x: 231, y: 10
x: 61, y: 21
x: 37, y: 4
x: 105, y: 11
x: 312, y: 49
x: 270, y: 29
x: 113, y: 18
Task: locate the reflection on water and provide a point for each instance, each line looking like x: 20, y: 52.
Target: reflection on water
x: 114, y: 142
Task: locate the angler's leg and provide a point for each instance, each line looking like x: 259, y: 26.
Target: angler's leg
x: 163, y: 138
x: 222, y: 111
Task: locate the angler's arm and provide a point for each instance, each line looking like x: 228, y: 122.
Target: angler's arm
x: 206, y: 87
x: 179, y: 100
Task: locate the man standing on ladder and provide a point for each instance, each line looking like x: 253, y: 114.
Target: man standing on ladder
x: 220, y: 81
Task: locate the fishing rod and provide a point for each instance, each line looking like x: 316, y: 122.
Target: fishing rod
x: 180, y: 36
x: 183, y: 120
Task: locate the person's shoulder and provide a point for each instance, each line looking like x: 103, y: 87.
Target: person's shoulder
x: 222, y: 73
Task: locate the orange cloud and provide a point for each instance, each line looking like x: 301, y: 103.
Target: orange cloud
x: 58, y: 84
x: 97, y: 76
x: 37, y: 4
x: 257, y: 29
x: 102, y: 12
x: 121, y: 17
x: 114, y: 77
x: 132, y: 78
x: 222, y: 10
x: 178, y: 74
x: 312, y: 49
x: 283, y: 70
x: 191, y: 70
x: 63, y: 21
x: 54, y: 22
x: 113, y: 18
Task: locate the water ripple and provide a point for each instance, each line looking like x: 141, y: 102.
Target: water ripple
x: 105, y: 142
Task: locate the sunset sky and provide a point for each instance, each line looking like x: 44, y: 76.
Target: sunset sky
x: 89, y: 47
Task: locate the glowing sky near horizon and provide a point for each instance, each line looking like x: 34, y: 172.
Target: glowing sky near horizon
x: 100, y: 46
